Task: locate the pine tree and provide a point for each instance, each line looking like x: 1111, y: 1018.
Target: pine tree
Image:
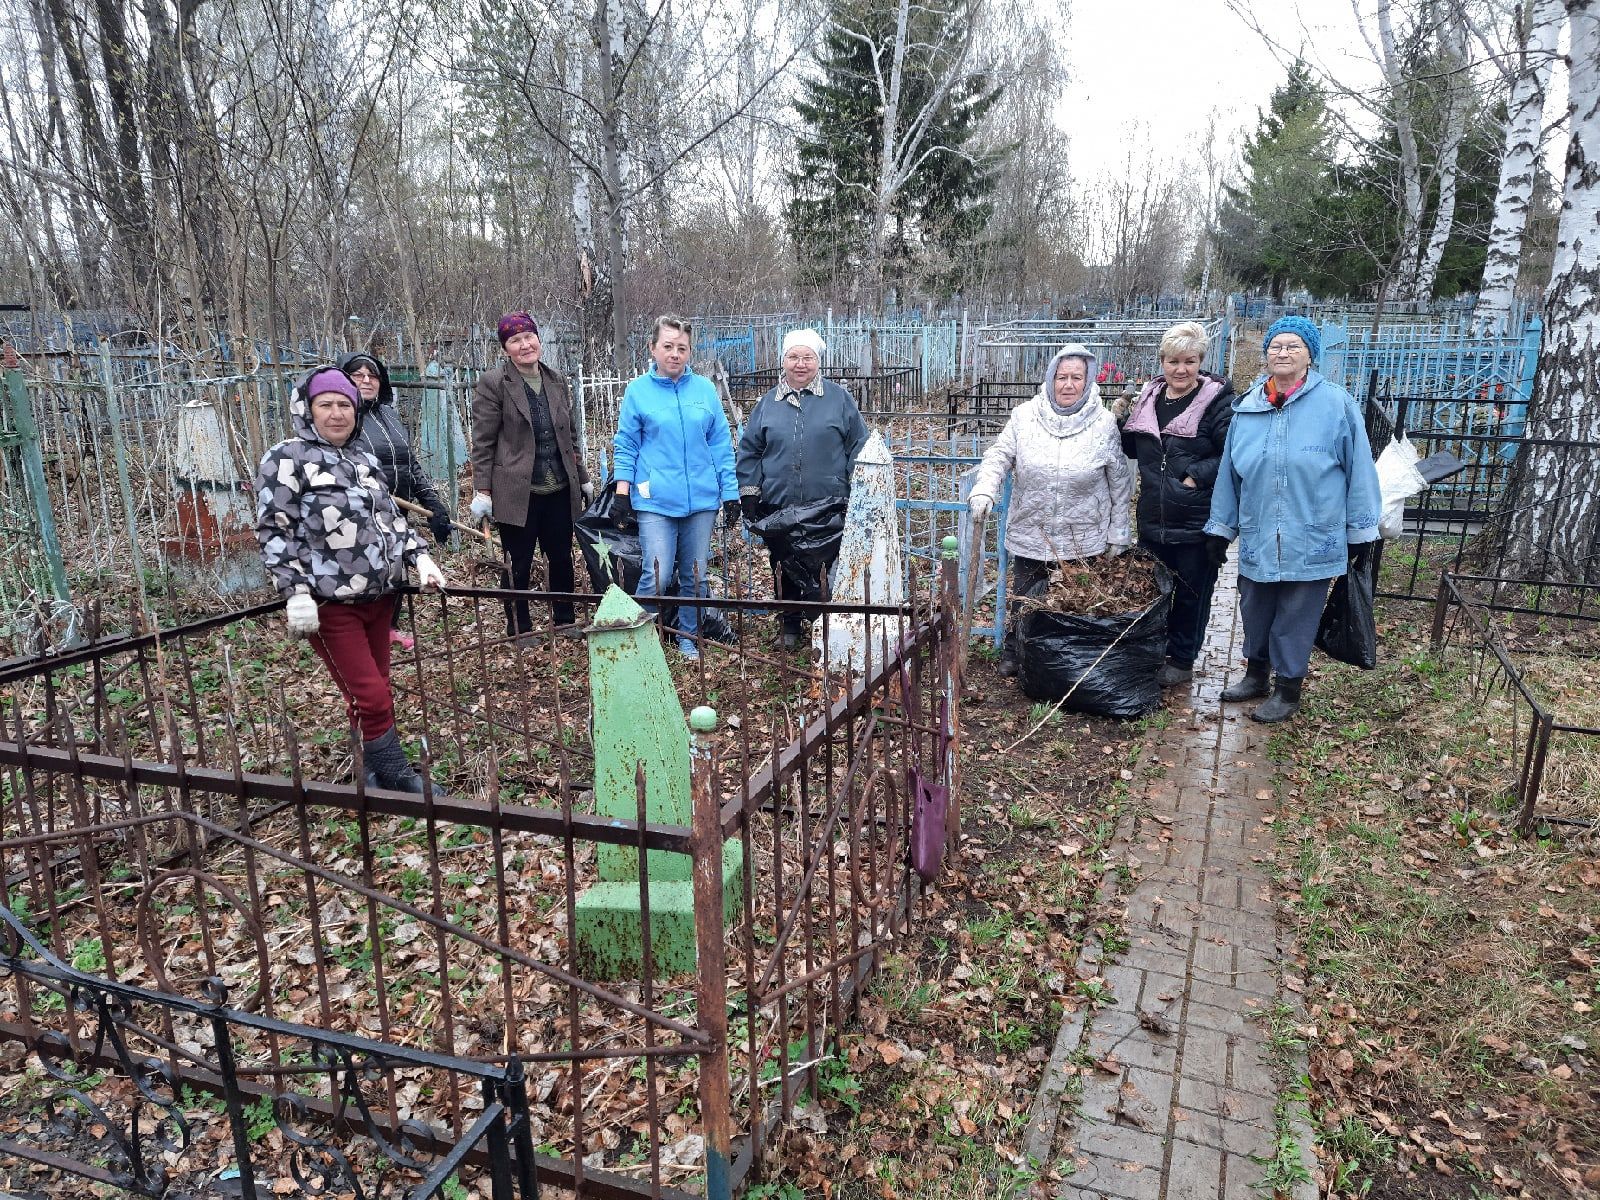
x: 937, y: 199
x: 1270, y: 223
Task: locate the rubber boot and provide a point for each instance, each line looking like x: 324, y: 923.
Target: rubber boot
x: 1254, y: 685
x: 1283, y: 704
x: 1173, y: 673
x: 387, y: 763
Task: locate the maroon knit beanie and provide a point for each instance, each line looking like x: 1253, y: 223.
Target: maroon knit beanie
x: 514, y: 323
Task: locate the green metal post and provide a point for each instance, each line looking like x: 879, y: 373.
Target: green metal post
x: 33, y: 471
x: 712, y: 979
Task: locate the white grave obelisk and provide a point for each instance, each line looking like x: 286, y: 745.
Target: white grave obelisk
x: 869, y: 562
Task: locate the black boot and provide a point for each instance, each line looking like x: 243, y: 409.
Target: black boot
x: 1254, y: 685
x: 387, y: 764
x: 1285, y: 702
x: 1173, y: 673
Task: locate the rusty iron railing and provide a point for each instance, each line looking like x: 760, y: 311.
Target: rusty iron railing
x: 183, y: 820
x: 1534, y: 725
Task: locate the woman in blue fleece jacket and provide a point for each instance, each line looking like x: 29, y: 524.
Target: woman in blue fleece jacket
x: 673, y: 457
x: 1298, y: 488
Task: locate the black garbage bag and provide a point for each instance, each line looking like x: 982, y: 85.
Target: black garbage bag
x: 622, y: 562
x: 1056, y: 651
x: 804, y: 538
x: 1348, y: 630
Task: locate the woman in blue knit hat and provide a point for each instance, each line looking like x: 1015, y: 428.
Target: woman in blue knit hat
x: 1298, y: 488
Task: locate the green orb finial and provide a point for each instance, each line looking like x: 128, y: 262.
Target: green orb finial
x: 703, y: 718
x: 950, y: 546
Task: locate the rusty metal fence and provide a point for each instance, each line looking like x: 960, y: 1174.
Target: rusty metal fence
x: 199, y: 904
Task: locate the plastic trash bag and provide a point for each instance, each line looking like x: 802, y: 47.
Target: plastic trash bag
x: 804, y: 538
x: 1398, y: 481
x: 622, y: 562
x: 1348, y: 630
x: 1056, y: 650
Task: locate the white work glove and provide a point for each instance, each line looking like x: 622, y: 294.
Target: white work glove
x: 301, y: 612
x: 586, y: 490
x: 482, y: 505
x: 429, y: 577
x: 979, y: 505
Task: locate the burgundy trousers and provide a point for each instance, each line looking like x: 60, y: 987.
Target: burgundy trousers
x: 353, y: 639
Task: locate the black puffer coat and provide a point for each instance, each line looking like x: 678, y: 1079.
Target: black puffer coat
x: 383, y: 435
x: 1190, y: 445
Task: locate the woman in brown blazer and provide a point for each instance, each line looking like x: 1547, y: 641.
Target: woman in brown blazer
x: 525, y: 467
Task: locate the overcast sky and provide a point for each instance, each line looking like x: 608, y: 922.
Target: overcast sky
x: 1163, y: 65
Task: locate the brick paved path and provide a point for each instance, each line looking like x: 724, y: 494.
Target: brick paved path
x: 1189, y: 1094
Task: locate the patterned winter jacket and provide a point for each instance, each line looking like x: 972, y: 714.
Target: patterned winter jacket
x: 325, y: 520
x: 1071, y: 487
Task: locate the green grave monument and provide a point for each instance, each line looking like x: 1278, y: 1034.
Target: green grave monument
x: 637, y: 719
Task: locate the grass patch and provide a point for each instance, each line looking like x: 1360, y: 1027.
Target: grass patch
x: 1449, y: 966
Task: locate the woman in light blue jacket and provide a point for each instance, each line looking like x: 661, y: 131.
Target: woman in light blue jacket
x: 673, y: 457
x: 1298, y: 488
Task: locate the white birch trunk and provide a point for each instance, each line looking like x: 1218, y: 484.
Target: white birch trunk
x: 1541, y: 27
x: 1555, y: 520
x: 1454, y: 134
x: 888, y: 150
x: 1410, y: 171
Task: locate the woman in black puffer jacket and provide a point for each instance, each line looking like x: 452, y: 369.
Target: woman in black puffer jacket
x: 1176, y: 430
x: 382, y: 434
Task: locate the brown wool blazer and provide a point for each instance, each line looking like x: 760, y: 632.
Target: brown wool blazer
x: 502, y: 440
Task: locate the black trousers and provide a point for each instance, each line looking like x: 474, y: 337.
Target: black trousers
x: 1026, y: 574
x: 797, y: 581
x: 1194, y: 580
x: 549, y: 528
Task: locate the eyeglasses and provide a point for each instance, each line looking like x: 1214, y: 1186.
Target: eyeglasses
x: 1286, y: 348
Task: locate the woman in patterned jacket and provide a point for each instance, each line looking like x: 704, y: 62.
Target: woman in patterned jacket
x: 1070, y: 487
x: 337, y: 548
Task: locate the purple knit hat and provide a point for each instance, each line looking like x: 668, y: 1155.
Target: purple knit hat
x: 331, y: 379
x: 514, y: 323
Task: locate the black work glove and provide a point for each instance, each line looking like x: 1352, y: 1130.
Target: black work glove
x: 1354, y: 551
x: 439, y: 524
x: 747, y: 508
x: 1216, y: 549
x: 731, y: 511
x: 622, y: 511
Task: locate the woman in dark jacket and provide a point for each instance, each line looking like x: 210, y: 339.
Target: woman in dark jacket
x: 381, y: 434
x: 797, y: 448
x: 1177, y: 429
x: 525, y: 467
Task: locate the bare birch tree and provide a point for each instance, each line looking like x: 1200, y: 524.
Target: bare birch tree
x: 1537, y: 27
x: 1554, y: 530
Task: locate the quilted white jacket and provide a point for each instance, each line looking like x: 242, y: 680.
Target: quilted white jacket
x: 1071, y: 490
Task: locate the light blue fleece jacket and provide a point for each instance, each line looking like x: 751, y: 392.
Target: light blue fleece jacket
x: 673, y: 445
x: 1297, y: 484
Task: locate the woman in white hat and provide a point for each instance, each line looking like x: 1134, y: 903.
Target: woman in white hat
x: 1071, y: 487
x: 798, y: 448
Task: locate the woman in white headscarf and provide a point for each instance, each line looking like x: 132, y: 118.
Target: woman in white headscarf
x: 798, y: 448
x: 1071, y: 487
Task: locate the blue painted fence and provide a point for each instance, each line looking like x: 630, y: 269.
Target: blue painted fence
x: 1449, y: 360
x: 933, y: 478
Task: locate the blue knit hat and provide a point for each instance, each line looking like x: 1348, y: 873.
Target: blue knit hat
x: 1303, y: 329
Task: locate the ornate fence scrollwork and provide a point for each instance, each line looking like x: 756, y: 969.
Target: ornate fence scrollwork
x: 404, y: 1157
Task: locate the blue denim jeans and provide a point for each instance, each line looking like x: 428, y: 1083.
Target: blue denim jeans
x: 675, y: 547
